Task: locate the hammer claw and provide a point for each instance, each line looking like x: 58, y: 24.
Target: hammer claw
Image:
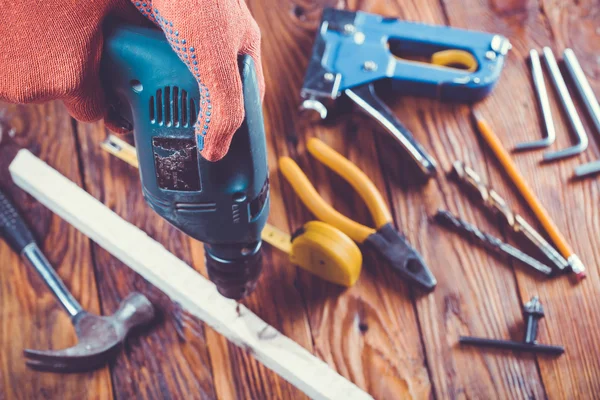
x: 77, y: 353
x: 99, y: 338
x: 55, y: 366
x: 68, y: 359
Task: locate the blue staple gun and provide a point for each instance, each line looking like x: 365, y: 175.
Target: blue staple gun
x: 353, y: 50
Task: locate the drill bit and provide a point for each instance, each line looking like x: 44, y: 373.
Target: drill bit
x: 488, y: 241
x: 495, y: 203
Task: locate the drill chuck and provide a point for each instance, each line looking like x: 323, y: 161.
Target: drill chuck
x: 235, y: 277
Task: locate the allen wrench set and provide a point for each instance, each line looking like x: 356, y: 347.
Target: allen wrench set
x: 585, y: 92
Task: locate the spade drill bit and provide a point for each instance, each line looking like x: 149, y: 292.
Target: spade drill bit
x: 492, y: 201
x: 488, y: 241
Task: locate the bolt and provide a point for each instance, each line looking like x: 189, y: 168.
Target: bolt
x: 370, y: 66
x: 359, y: 38
x: 329, y: 77
x: 349, y: 29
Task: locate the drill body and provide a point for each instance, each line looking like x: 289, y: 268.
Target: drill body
x: 223, y: 204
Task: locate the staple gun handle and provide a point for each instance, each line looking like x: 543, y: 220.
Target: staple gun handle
x: 364, y: 96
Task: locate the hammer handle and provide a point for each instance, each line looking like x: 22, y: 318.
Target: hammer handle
x: 19, y: 237
x: 12, y: 227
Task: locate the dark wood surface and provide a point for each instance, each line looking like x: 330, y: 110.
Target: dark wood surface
x: 388, y: 338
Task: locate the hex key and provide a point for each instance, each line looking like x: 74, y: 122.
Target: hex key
x: 543, y: 103
x: 591, y: 103
x: 569, y: 107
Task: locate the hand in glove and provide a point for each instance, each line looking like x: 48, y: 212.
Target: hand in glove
x: 52, y: 50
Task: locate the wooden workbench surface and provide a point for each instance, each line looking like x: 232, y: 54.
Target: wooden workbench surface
x: 388, y: 338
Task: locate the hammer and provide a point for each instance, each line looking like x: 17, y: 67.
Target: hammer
x: 99, y: 338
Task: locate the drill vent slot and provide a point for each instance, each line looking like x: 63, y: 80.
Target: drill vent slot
x: 168, y: 105
x: 171, y: 106
x: 193, y: 112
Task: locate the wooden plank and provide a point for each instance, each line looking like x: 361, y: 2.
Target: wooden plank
x: 219, y: 368
x: 388, y: 309
x: 368, y: 333
x: 183, y: 365
x: 476, y: 293
x: 512, y: 113
x: 180, y: 282
x: 30, y: 317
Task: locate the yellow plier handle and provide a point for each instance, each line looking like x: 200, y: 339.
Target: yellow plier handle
x: 353, y: 175
x: 385, y: 240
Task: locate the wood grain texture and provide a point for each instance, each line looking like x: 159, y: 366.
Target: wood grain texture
x: 172, y: 360
x: 383, y: 335
x: 30, y: 316
x: 573, y: 205
x: 369, y: 333
x: 181, y: 283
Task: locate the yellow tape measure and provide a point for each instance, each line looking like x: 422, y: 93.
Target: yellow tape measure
x: 317, y: 247
x: 320, y: 249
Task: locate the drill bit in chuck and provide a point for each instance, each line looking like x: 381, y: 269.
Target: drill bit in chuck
x: 235, y: 274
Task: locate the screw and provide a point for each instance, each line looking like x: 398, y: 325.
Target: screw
x: 329, y: 77
x: 359, y: 38
x: 370, y: 66
x: 349, y: 29
x: 490, y: 55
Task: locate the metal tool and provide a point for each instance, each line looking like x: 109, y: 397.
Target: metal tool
x: 445, y: 218
x: 317, y: 247
x: 492, y: 201
x: 591, y: 103
x: 99, y: 338
x: 385, y: 240
x: 224, y: 204
x: 533, y: 312
x: 353, y: 50
x: 544, y: 105
x: 569, y: 107
x: 525, y: 190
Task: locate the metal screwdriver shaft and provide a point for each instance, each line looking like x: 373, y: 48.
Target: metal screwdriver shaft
x: 488, y: 241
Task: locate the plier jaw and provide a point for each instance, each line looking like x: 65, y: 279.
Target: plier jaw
x: 392, y: 246
x: 383, y: 238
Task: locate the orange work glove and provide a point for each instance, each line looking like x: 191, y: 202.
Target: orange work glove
x: 52, y: 49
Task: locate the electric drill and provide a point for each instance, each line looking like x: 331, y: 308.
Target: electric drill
x: 223, y: 204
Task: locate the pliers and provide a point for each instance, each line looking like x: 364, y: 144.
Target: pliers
x: 385, y: 239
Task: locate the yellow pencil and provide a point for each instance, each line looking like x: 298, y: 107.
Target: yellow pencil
x: 535, y: 204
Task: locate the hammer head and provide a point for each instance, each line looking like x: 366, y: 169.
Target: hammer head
x: 99, y: 338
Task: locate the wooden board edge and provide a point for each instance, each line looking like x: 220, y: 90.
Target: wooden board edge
x: 179, y: 281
